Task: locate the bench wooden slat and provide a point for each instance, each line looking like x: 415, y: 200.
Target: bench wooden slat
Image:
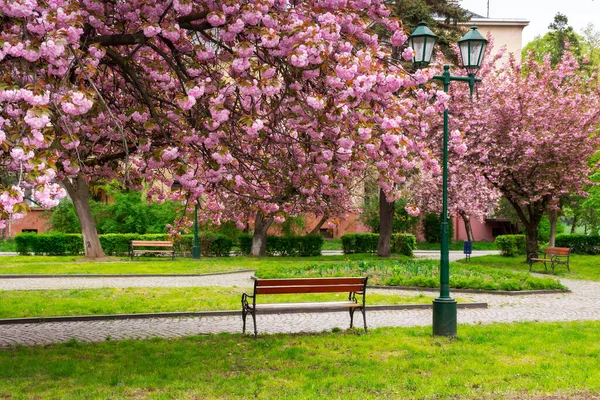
x: 351, y: 286
x: 309, y: 281
x: 555, y: 253
x: 561, y: 251
x: 139, y: 247
x: 330, y: 305
x: 151, y: 243
x: 308, y: 289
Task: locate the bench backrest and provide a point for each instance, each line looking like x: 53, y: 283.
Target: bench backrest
x: 558, y: 251
x: 148, y: 243
x: 310, y: 285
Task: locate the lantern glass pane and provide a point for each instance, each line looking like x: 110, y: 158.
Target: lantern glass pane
x: 417, y: 44
x: 471, y: 53
x: 429, y: 44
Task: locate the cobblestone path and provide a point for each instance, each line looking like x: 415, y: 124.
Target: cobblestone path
x: 241, y: 279
x: 583, y: 303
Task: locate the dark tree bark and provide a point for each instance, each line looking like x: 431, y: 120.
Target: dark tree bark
x: 530, y: 216
x: 574, y: 225
x: 259, y: 240
x: 553, y: 221
x: 467, y: 221
x: 79, y: 191
x: 386, y: 216
x: 317, y: 227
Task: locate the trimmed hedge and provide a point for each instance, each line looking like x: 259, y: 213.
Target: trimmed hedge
x: 579, y: 244
x: 360, y: 243
x: 303, y: 246
x: 401, y: 243
x: 211, y: 244
x: 511, y: 245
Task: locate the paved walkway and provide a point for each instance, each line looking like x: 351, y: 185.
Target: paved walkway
x: 582, y: 304
x: 241, y: 279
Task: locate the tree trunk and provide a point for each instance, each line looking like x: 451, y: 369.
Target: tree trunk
x: 79, y: 191
x: 467, y: 221
x: 574, y: 225
x: 553, y: 221
x: 531, y: 235
x: 386, y: 216
x: 259, y: 240
x: 317, y: 227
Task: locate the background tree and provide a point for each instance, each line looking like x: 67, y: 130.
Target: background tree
x: 260, y: 108
x: 560, y: 38
x: 532, y: 133
x: 441, y: 16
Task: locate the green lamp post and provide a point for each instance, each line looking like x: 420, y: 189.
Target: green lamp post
x: 196, y: 248
x: 472, y: 48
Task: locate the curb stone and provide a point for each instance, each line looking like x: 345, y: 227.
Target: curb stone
x: 110, y: 317
x: 475, y: 291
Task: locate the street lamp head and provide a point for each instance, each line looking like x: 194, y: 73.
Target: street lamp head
x: 472, y: 49
x: 422, y: 40
x: 176, y: 185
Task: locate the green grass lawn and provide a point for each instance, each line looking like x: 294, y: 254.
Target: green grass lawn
x: 398, y: 271
x: 582, y: 266
x: 332, y: 244
x: 420, y: 273
x: 120, y: 265
x: 47, y: 303
x: 517, y: 361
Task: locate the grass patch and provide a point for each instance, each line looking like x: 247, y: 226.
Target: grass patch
x: 457, y: 246
x: 420, y: 273
x: 159, y: 265
x: 332, y: 244
x: 8, y: 245
x: 582, y: 266
x: 526, y: 360
x: 38, y: 303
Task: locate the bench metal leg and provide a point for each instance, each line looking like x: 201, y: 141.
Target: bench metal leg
x: 244, y: 313
x: 351, y: 317
x: 364, y: 313
x: 254, y: 320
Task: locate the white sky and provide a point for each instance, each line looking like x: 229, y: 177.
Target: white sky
x: 539, y: 13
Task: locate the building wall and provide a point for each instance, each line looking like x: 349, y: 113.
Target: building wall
x: 36, y: 220
x: 509, y: 34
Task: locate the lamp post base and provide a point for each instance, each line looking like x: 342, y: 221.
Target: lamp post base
x: 444, y: 317
x: 196, y: 252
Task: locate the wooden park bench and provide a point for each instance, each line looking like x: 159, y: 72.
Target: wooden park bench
x: 141, y: 247
x: 352, y: 286
x: 554, y: 256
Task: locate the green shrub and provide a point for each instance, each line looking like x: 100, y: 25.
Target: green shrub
x: 25, y: 242
x: 432, y: 228
x: 403, y: 243
x: 303, y: 246
x: 511, y: 245
x: 544, y: 229
x: 360, y: 243
x: 579, y: 244
x: 245, y: 243
x: 211, y: 244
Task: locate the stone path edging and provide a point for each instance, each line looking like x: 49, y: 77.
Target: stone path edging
x: 476, y: 291
x: 35, y: 276
x: 220, y: 313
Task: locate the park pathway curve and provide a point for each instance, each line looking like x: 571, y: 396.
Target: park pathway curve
x: 583, y: 303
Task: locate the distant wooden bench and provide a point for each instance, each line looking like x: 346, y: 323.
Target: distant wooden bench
x: 141, y: 246
x: 554, y: 256
x: 352, y: 286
